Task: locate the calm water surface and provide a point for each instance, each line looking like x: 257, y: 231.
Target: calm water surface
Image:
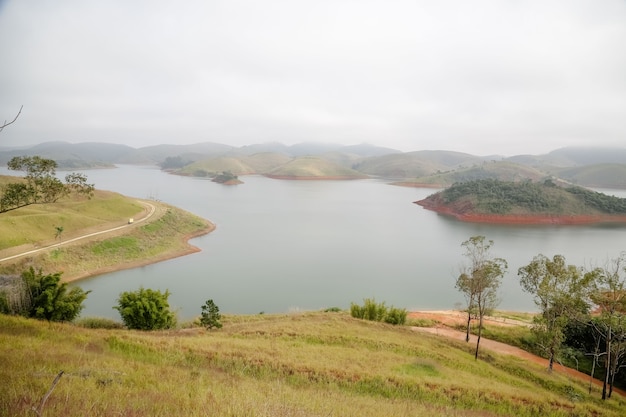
x: 300, y: 245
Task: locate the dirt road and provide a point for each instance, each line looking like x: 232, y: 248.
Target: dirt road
x: 151, y: 211
x: 454, y: 317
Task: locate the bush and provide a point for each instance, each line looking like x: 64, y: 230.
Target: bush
x: 395, y: 316
x: 370, y: 310
x: 211, y: 315
x: 33, y: 294
x: 145, y: 309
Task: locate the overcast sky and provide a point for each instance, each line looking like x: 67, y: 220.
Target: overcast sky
x: 484, y: 77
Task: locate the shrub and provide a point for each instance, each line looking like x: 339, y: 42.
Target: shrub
x: 145, y: 309
x: 370, y: 310
x: 51, y: 300
x: 33, y: 294
x: 395, y: 316
x: 211, y: 315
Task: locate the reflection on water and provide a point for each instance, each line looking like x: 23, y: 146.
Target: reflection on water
x: 282, y: 245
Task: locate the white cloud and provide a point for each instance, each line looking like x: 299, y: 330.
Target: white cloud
x: 482, y: 77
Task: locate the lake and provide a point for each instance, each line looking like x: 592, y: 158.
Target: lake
x: 285, y: 246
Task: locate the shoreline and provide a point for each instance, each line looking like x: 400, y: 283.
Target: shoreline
x: 190, y: 249
x: 525, y: 219
x: 81, y: 264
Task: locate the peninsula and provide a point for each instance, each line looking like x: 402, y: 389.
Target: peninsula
x: 526, y: 202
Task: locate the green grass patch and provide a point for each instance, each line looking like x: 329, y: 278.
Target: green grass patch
x: 38, y: 222
x: 128, y: 245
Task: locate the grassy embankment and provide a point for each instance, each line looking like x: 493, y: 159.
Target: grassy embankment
x: 163, y: 236
x: 309, y: 364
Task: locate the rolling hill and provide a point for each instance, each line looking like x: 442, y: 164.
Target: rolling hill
x: 309, y: 167
x: 497, y: 170
x: 589, y: 166
x: 415, y: 164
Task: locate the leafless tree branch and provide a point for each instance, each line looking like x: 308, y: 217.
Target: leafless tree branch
x: 14, y: 119
x: 39, y: 409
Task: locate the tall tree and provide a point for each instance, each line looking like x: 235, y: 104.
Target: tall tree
x: 609, y: 295
x: 479, y: 281
x: 560, y: 292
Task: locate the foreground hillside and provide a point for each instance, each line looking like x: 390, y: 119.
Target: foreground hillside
x: 309, y: 364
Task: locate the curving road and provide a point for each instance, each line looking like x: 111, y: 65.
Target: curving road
x: 148, y: 216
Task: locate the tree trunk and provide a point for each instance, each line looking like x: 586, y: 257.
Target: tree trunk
x: 551, y: 360
x: 469, y: 321
x: 480, y: 330
x: 608, y: 363
x: 614, y: 368
x: 593, y: 366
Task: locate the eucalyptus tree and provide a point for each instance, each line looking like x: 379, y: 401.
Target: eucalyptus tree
x: 609, y: 295
x: 561, y: 293
x: 479, y: 281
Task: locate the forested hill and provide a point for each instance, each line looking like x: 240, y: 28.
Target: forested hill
x: 500, y: 198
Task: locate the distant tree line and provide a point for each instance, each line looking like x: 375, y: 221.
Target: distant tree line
x: 40, y: 185
x: 174, y: 162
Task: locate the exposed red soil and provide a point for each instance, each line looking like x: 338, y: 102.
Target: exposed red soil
x: 465, y: 213
x: 447, y: 319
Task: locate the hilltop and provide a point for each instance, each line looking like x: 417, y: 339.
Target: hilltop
x: 585, y: 166
x: 301, y: 364
x: 525, y: 202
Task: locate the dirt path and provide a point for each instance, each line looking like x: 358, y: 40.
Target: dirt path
x: 145, y: 215
x: 447, y: 318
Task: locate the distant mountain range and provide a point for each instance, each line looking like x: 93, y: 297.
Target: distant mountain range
x: 586, y: 166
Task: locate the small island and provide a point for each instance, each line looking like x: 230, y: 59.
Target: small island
x: 525, y: 202
x: 227, y: 178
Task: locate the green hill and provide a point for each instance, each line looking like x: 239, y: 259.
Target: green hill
x: 490, y: 196
x: 497, y: 170
x: 310, y: 167
x: 36, y: 223
x: 265, y: 162
x: 306, y: 365
x: 163, y: 236
x: 600, y: 175
x: 210, y: 167
x: 415, y: 164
